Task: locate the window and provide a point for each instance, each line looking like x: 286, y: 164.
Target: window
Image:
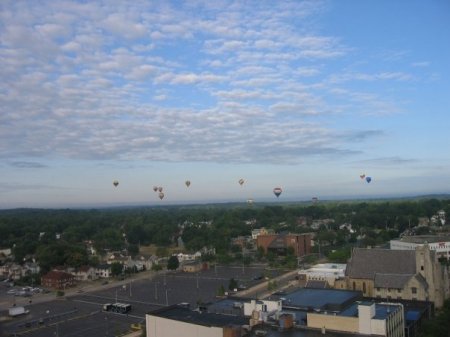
x: 414, y: 290
x: 354, y: 285
x: 421, y: 267
x: 364, y: 287
x: 399, y: 290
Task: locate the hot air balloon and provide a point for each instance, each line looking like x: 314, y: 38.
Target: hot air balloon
x: 368, y: 179
x: 362, y: 176
x: 250, y: 201
x: 277, y: 191
x: 315, y: 199
x: 115, y: 183
x: 160, y: 189
x: 161, y: 195
x: 155, y: 188
x: 241, y: 182
x: 188, y: 183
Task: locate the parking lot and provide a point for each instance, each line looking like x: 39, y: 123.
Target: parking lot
x: 81, y: 314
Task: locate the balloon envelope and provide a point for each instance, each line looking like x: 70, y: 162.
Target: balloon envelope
x: 115, y: 183
x: 155, y: 188
x: 161, y: 195
x: 241, y: 182
x: 160, y: 189
x: 188, y: 183
x: 277, y: 191
x: 368, y: 179
x: 362, y: 176
x: 250, y: 201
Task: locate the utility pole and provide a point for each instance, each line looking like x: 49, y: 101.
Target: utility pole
x: 156, y: 291
x: 167, y: 299
x: 131, y: 281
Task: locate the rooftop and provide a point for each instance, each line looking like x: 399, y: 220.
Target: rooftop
x: 421, y: 239
x: 383, y: 261
x: 382, y: 311
x: 323, y: 299
x: 184, y: 314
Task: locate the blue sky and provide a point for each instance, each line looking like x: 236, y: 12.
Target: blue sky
x: 304, y: 95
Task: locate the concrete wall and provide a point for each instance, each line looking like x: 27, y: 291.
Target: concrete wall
x: 331, y: 322
x: 163, y: 327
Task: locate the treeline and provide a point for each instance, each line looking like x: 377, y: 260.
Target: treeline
x: 29, y: 231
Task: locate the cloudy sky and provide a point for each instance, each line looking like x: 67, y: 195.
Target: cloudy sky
x: 304, y: 95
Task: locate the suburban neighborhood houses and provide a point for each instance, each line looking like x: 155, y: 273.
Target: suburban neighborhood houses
x: 334, y: 276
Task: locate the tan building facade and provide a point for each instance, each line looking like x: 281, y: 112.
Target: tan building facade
x: 397, y: 274
x: 385, y: 319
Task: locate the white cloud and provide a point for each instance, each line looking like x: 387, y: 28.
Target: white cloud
x: 163, y: 81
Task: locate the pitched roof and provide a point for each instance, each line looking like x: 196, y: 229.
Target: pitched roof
x: 316, y: 284
x: 366, y: 263
x: 57, y: 275
x: 395, y: 281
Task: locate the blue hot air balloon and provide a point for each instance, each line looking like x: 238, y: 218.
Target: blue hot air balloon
x: 368, y: 179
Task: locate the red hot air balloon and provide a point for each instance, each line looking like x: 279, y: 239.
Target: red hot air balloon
x: 277, y: 191
x: 362, y: 176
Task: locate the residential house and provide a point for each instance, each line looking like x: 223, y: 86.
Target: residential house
x: 57, y: 280
x: 84, y: 273
x: 195, y: 266
x: 261, y: 231
x: 103, y: 271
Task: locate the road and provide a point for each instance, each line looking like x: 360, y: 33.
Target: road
x: 80, y: 313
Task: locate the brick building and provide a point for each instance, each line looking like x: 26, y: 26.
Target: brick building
x: 279, y: 243
x: 57, y: 280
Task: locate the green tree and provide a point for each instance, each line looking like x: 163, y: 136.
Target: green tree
x: 133, y: 249
x: 221, y: 290
x: 116, y: 268
x: 233, y: 284
x: 173, y: 263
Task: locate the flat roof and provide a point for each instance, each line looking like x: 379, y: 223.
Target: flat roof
x: 184, y: 314
x: 228, y: 306
x: 300, y: 333
x: 311, y: 298
x: 420, y: 239
x: 382, y: 311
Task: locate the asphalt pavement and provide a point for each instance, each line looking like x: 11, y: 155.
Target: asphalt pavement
x: 79, y: 313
